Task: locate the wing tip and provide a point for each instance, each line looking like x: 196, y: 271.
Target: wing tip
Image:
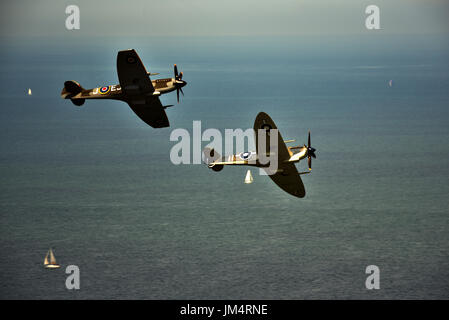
x: 127, y: 50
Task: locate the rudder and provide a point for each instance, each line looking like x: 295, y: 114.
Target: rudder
x: 71, y: 89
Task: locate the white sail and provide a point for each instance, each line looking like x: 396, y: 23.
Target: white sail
x: 52, y: 257
x: 46, y: 259
x: 249, y: 177
x: 29, y: 92
x: 50, y: 261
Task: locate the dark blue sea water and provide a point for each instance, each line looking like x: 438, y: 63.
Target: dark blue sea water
x: 97, y: 185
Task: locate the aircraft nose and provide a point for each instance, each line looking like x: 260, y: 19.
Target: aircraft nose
x: 180, y: 83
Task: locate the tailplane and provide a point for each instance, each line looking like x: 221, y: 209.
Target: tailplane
x: 70, y: 90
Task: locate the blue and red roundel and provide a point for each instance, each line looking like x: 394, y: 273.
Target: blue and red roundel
x: 104, y: 90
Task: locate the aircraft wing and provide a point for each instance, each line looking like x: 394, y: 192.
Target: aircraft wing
x: 287, y: 176
x: 264, y: 122
x: 151, y: 112
x: 132, y: 75
x: 288, y: 179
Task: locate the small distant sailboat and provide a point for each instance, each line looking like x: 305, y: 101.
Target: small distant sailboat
x: 29, y: 92
x: 249, y: 177
x: 390, y: 83
x: 51, y: 264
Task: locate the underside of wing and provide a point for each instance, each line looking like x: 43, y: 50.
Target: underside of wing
x: 289, y: 180
x: 151, y: 112
x: 265, y: 123
x: 132, y: 75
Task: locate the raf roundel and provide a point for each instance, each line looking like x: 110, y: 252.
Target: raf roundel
x: 245, y: 155
x: 104, y: 90
x: 131, y: 59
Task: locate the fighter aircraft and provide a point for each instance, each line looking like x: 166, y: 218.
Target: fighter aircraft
x: 135, y: 88
x: 286, y: 176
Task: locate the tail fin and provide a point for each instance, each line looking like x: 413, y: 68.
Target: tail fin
x: 71, y: 89
x: 210, y: 155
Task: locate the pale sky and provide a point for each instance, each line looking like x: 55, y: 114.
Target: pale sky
x: 222, y: 17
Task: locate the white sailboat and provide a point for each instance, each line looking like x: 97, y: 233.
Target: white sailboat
x: 51, y: 264
x: 249, y: 177
x: 29, y: 92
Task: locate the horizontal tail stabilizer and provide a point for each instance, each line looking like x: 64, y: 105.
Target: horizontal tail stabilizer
x: 78, y: 102
x: 71, y: 89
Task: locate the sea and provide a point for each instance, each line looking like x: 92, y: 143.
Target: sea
x: 97, y: 185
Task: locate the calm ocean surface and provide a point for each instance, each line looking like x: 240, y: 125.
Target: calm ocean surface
x: 96, y: 184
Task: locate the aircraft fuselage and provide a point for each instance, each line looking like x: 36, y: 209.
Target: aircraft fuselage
x: 161, y: 86
x: 251, y: 158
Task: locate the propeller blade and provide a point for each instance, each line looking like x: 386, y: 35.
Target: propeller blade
x: 308, y: 140
x: 176, y: 72
x: 178, y: 82
x: 309, y: 161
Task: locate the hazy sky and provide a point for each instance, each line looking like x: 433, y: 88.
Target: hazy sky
x: 224, y: 17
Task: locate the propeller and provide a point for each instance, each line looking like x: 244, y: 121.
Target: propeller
x: 178, y: 82
x: 310, y: 152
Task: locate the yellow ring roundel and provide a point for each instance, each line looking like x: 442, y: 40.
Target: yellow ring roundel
x: 104, y: 90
